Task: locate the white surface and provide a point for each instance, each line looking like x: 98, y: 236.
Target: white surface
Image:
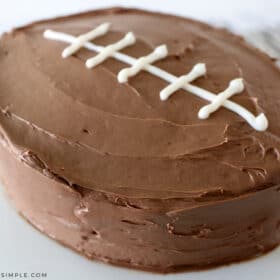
x: 239, y: 14
x: 22, y: 249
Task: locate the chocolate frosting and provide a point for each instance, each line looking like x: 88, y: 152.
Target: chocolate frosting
x: 116, y: 174
x: 85, y: 127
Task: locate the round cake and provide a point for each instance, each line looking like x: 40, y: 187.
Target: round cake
x: 142, y: 139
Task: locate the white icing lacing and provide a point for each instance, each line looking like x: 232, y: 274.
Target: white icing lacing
x: 142, y: 62
x: 235, y: 86
x: 197, y: 71
x: 82, y: 39
x: 128, y: 40
x: 259, y: 123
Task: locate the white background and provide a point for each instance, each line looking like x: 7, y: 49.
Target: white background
x: 241, y: 14
x: 22, y: 249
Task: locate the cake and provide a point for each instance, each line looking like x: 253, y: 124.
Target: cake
x: 142, y: 139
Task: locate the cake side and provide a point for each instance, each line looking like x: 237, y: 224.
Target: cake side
x: 160, y: 236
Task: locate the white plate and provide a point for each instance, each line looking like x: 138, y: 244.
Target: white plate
x: 24, y: 250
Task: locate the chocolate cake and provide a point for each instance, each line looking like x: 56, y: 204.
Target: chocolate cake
x: 142, y: 139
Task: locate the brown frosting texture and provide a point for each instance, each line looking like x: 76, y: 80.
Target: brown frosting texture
x: 86, y: 129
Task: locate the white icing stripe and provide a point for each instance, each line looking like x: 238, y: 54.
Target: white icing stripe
x: 197, y: 71
x: 142, y: 62
x: 259, y: 123
x: 235, y: 86
x: 82, y: 39
x: 128, y: 40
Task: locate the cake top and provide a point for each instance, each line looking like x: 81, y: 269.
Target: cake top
x: 129, y: 129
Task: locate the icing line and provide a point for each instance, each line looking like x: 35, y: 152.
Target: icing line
x: 235, y: 86
x: 82, y: 39
x: 197, y: 71
x: 142, y: 62
x: 128, y: 40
